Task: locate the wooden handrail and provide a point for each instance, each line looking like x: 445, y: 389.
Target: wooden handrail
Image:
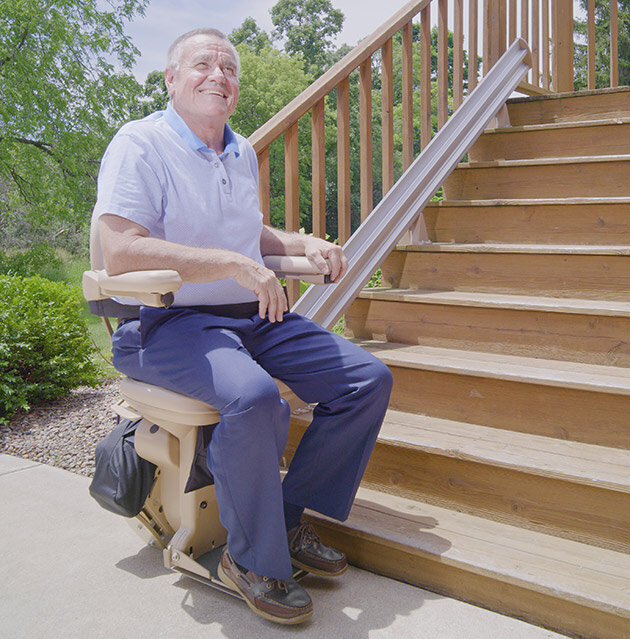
x: 546, y: 27
x: 300, y: 105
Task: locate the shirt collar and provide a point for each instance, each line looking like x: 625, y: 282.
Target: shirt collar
x: 193, y: 141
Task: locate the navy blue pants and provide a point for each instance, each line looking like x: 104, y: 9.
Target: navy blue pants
x: 229, y: 363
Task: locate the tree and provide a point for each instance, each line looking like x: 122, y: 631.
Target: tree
x: 154, y: 95
x: 65, y: 85
x: 250, y: 34
x: 308, y: 27
x: 602, y: 45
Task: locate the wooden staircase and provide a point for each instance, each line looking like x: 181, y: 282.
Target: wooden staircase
x: 502, y: 473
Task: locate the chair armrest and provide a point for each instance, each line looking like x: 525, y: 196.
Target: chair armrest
x: 297, y: 267
x: 156, y: 288
x: 151, y: 288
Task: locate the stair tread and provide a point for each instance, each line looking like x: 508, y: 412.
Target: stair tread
x: 555, y: 249
x: 573, y: 461
x: 580, y: 376
x: 586, y: 574
x: 577, y: 462
x: 546, y: 161
x: 564, y: 201
x: 550, y: 126
x: 497, y: 300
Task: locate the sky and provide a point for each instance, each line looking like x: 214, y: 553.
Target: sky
x: 164, y: 20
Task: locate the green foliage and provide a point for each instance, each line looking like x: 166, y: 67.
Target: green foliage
x: 308, y: 27
x: 44, y: 347
x: 602, y: 45
x: 39, y: 259
x: 154, y: 95
x: 250, y: 34
x: 61, y: 97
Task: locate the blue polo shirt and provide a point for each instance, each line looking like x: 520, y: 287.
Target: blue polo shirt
x: 158, y: 173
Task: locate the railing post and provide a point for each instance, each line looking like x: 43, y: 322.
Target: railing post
x: 292, y: 194
x: 318, y: 152
x: 562, y: 34
x: 365, y: 133
x: 343, y: 161
x: 264, y: 195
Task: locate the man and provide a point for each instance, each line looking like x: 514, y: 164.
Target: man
x: 178, y: 190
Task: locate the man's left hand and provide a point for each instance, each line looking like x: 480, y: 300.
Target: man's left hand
x: 318, y: 251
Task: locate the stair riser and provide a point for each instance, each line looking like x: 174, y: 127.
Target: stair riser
x: 599, y: 224
x: 570, y: 109
x: 552, y: 506
x: 428, y: 571
x: 565, y: 336
x: 561, y: 275
x: 579, y: 512
x: 564, y: 413
x: 609, y: 139
x: 583, y: 179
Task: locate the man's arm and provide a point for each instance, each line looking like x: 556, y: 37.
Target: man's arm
x: 127, y: 247
x: 276, y: 242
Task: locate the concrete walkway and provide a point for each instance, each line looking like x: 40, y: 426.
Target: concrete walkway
x: 70, y: 569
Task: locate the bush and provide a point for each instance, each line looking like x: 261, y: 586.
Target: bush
x: 40, y: 259
x: 45, y: 350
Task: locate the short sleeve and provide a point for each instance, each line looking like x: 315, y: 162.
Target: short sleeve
x: 129, y: 183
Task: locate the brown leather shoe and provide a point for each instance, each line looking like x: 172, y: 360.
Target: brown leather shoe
x: 310, y: 554
x: 282, y: 601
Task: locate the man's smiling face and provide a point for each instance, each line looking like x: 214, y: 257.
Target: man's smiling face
x: 204, y: 87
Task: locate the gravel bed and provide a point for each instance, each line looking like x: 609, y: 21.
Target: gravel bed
x: 64, y: 432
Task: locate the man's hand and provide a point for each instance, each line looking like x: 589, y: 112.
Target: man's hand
x: 264, y: 283
x: 318, y: 251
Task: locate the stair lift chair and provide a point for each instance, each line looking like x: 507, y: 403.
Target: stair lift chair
x: 185, y: 525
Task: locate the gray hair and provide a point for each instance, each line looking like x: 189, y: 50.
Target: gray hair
x: 175, y: 50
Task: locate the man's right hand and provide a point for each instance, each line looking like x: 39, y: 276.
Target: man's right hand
x: 272, y: 301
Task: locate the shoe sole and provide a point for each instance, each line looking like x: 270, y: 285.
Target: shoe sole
x: 261, y: 613
x: 318, y: 571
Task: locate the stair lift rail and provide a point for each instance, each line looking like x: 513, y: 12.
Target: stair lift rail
x: 403, y: 204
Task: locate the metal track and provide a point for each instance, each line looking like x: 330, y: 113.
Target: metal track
x: 395, y: 214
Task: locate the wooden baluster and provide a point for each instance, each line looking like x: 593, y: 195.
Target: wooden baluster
x: 264, y: 198
x: 365, y: 108
x: 442, y: 54
x: 319, y: 169
x: 512, y: 27
x: 525, y: 25
x: 590, y: 17
x: 387, y: 93
x: 493, y: 33
x: 343, y: 161
x: 614, y: 50
x: 425, y: 76
x: 562, y: 34
x: 473, y: 62
x: 545, y: 44
x: 535, y: 42
x: 407, y: 94
x: 292, y: 195
x: 458, y: 54
x: 502, y: 28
